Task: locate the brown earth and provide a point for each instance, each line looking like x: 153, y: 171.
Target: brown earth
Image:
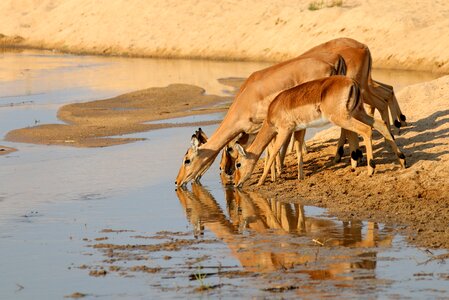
x: 416, y: 198
x: 91, y: 124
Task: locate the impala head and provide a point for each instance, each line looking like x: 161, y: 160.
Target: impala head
x: 192, y: 162
x: 227, y: 164
x: 244, y: 166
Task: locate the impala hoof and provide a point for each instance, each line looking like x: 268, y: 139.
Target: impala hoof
x: 402, y: 160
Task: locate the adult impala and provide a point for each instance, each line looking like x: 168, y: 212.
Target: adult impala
x: 250, y: 106
x: 358, y: 67
x: 335, y: 99
x: 247, y: 111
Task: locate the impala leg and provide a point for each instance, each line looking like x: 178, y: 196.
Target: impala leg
x: 273, y: 166
x: 299, y: 141
x: 389, y: 97
x: 371, y: 110
x: 382, y: 128
x: 304, y: 147
x: 267, y: 159
x: 394, y: 101
x: 340, y: 144
x: 365, y: 131
x: 356, y: 153
x: 279, y: 164
x: 380, y: 104
x: 279, y: 141
x: 284, y: 150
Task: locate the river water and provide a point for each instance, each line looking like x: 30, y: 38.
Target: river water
x: 108, y: 223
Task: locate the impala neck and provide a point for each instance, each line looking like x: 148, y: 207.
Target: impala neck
x: 263, y: 138
x: 227, y: 130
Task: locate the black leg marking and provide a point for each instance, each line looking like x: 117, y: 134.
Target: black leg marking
x: 359, y: 153
x: 372, y: 164
x: 397, y: 124
x: 340, y: 151
x: 401, y: 155
x: 403, y: 118
x: 354, y: 155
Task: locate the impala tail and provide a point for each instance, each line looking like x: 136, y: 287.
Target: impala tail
x: 340, y: 67
x: 354, y: 99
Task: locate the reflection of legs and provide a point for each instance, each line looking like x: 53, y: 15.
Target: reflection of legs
x: 301, y: 225
x: 299, y: 141
x: 280, y: 140
x: 382, y: 128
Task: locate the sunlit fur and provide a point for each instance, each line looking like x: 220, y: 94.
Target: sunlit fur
x: 249, y: 108
x: 198, y: 138
x: 357, y: 66
x: 336, y: 99
x: 250, y: 105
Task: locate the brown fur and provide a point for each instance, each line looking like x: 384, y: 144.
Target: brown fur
x: 335, y: 98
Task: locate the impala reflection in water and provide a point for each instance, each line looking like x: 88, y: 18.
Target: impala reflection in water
x: 267, y: 235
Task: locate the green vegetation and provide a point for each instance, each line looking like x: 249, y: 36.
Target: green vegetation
x: 316, y: 5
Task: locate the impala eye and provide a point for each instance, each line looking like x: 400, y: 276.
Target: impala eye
x: 187, y: 161
x: 238, y: 165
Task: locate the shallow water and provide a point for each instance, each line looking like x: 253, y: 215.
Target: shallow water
x: 55, y: 201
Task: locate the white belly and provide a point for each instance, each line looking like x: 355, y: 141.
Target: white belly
x: 315, y: 123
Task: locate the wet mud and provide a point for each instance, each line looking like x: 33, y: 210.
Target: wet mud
x: 278, y: 247
x: 416, y: 198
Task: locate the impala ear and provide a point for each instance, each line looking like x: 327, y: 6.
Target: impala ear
x: 240, y: 149
x: 201, y: 136
x: 195, y: 143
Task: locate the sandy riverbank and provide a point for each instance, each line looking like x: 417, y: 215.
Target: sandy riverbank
x: 401, y: 34
x: 416, y: 197
x: 96, y: 123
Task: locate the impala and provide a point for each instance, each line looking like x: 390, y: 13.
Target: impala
x: 249, y: 109
x: 335, y: 99
x: 251, y: 103
x: 378, y: 95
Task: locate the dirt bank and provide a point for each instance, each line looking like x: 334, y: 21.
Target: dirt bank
x: 416, y: 197
x: 401, y: 34
x: 92, y: 124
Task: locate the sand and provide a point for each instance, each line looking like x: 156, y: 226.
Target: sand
x: 100, y: 123
x: 416, y: 198
x: 402, y: 34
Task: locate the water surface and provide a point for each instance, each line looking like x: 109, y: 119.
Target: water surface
x: 57, y: 203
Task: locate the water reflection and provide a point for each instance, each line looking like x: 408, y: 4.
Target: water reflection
x: 268, y: 235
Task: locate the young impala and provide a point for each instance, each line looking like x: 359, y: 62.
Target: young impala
x: 335, y: 99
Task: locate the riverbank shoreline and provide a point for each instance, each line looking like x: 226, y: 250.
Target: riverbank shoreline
x: 416, y: 198
x: 406, y: 36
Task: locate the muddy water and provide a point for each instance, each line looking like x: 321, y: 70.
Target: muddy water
x: 108, y: 222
